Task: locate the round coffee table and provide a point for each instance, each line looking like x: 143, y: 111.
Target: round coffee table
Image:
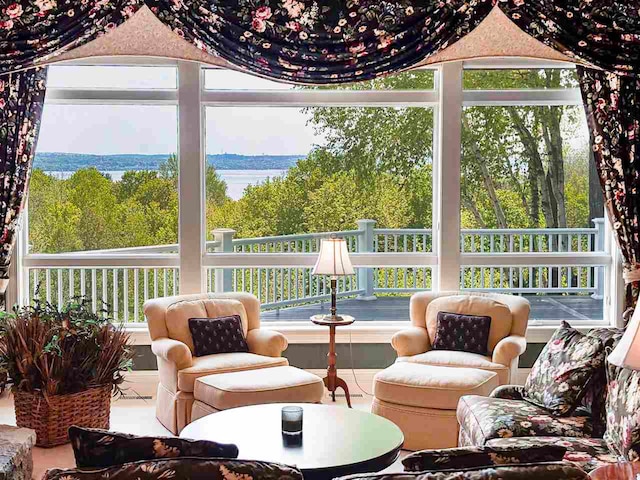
x: 617, y: 471
x: 335, y: 440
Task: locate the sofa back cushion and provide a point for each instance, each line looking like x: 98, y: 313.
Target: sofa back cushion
x: 182, y: 468
x: 179, y: 313
x: 501, y: 318
x: 623, y: 413
x: 95, y: 448
x: 562, y: 373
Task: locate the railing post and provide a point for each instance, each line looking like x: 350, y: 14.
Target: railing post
x: 224, y: 276
x: 366, y: 245
x: 599, y: 247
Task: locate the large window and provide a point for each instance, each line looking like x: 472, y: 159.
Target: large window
x: 116, y: 211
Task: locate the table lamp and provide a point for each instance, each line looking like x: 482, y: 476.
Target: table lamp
x: 627, y: 352
x: 333, y: 260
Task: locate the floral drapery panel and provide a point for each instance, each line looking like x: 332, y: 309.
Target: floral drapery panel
x: 612, y: 103
x: 31, y: 31
x: 21, y: 101
x: 605, y: 33
x: 314, y: 42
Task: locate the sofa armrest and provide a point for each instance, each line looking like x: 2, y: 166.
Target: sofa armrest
x: 508, y: 349
x: 411, y: 341
x: 508, y: 392
x: 172, y: 351
x: 266, y: 342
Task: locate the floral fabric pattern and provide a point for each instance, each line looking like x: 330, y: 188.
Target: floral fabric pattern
x: 32, y: 31
x: 602, y: 33
x: 612, y: 104
x: 509, y: 392
x: 623, y: 414
x: 561, y: 375
x: 481, y: 456
x: 94, y: 448
x: 546, y: 471
x: 486, y: 418
x: 21, y: 101
x: 308, y: 41
x: 183, y: 468
x: 587, y: 453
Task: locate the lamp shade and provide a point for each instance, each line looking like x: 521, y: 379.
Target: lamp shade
x: 333, y: 258
x: 627, y: 352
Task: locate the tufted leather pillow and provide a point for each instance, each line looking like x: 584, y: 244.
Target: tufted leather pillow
x: 217, y: 335
x: 462, y: 333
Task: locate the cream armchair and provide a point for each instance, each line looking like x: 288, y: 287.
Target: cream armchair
x: 509, y: 318
x: 171, y: 342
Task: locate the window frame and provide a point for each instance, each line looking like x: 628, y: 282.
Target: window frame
x: 447, y: 100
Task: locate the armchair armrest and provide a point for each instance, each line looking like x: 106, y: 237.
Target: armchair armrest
x: 508, y: 349
x: 411, y: 341
x: 172, y: 351
x: 508, y: 392
x: 266, y: 342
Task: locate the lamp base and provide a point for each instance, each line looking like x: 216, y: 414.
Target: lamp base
x: 332, y: 318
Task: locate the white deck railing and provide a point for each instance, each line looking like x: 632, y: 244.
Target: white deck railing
x: 108, y: 275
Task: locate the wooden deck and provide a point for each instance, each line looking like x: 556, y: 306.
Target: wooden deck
x: 548, y: 307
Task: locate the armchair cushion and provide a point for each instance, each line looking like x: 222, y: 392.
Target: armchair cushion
x: 623, y: 414
x: 561, y: 375
x: 411, y: 341
x: 481, y: 456
x: 450, y: 358
x: 463, y: 333
x: 217, y: 335
x: 172, y: 351
x: 266, y: 342
x: 501, y: 318
x: 223, y: 363
x: 95, y: 448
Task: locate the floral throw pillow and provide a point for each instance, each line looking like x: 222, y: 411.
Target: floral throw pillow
x: 217, y: 335
x: 94, y: 448
x: 563, y: 371
x: 623, y: 414
x: 463, y: 333
x: 470, y: 457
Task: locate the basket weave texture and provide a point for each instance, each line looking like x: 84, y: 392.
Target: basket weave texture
x: 52, y: 416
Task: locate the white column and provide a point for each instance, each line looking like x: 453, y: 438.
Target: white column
x: 448, y: 143
x: 191, y: 222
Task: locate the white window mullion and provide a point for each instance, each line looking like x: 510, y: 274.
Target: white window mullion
x: 447, y: 177
x: 191, y: 218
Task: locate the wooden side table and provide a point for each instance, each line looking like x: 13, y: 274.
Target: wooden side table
x: 332, y: 381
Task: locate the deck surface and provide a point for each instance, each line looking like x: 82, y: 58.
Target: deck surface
x: 571, y: 308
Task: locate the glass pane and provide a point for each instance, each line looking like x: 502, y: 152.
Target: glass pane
x: 221, y: 79
x: 294, y: 294
x: 528, y: 185
x: 105, y: 177
x: 282, y: 178
x: 117, y: 77
x: 502, y: 79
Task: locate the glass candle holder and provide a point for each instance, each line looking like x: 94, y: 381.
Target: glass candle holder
x: 291, y: 420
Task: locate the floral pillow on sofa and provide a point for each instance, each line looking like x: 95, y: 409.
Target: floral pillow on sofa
x: 563, y: 371
x: 623, y: 414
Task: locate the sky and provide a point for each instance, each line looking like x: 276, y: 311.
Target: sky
x: 145, y: 129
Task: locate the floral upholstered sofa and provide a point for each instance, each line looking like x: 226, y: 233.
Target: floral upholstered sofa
x: 604, y: 428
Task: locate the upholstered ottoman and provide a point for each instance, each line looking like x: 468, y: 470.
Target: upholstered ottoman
x: 422, y: 400
x: 251, y: 387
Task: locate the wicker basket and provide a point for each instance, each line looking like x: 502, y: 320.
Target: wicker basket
x: 51, y: 417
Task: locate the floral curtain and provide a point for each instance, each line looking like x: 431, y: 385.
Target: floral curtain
x: 21, y: 101
x: 604, y: 33
x: 612, y: 104
x: 32, y: 31
x: 313, y: 42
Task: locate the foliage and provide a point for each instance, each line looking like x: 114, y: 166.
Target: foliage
x: 56, y: 352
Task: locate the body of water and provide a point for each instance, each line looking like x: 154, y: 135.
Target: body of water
x: 237, y: 180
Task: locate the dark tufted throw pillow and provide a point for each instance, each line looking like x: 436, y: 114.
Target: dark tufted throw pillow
x: 217, y: 335
x: 463, y: 333
x: 94, y: 448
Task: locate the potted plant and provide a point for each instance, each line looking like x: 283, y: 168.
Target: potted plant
x: 63, y: 365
